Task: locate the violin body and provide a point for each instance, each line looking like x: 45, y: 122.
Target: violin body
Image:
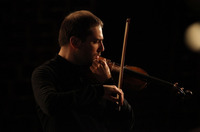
x: 131, y: 82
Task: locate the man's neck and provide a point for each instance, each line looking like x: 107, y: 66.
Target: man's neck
x: 65, y: 53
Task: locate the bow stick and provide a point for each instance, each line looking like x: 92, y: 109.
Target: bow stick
x: 123, y: 56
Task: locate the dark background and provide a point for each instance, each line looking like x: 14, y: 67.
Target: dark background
x: 29, y: 31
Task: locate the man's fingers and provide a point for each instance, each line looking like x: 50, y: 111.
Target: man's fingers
x: 121, y: 97
x: 112, y: 89
x: 102, y: 62
x: 113, y: 99
x: 95, y: 63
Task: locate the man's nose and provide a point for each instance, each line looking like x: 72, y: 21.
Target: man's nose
x: 101, y: 47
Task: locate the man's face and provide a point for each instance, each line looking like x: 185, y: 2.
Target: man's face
x: 93, y: 46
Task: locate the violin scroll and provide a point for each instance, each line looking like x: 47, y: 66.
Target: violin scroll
x: 182, y: 91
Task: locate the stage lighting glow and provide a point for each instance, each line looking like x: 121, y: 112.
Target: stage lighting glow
x: 192, y: 37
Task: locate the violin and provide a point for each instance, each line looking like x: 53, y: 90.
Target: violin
x: 136, y: 78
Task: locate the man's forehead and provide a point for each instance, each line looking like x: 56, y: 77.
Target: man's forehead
x: 96, y: 33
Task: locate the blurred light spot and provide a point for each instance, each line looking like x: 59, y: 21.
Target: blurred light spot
x: 192, y: 37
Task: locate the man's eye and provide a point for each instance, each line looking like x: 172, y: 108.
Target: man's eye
x: 98, y: 41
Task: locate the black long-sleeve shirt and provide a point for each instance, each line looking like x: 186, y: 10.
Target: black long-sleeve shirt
x: 69, y: 99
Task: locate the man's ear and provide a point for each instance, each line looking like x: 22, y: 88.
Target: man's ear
x: 75, y: 42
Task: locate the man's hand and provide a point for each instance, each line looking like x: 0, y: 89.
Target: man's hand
x: 110, y: 91
x: 100, y: 69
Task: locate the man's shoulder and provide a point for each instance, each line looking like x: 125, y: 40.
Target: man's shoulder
x: 56, y: 63
x: 47, y: 65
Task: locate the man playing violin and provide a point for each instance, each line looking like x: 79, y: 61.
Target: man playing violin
x: 74, y: 91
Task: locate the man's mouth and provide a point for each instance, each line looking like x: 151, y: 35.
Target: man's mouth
x: 99, y: 55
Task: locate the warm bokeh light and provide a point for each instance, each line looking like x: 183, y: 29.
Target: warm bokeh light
x: 192, y: 37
